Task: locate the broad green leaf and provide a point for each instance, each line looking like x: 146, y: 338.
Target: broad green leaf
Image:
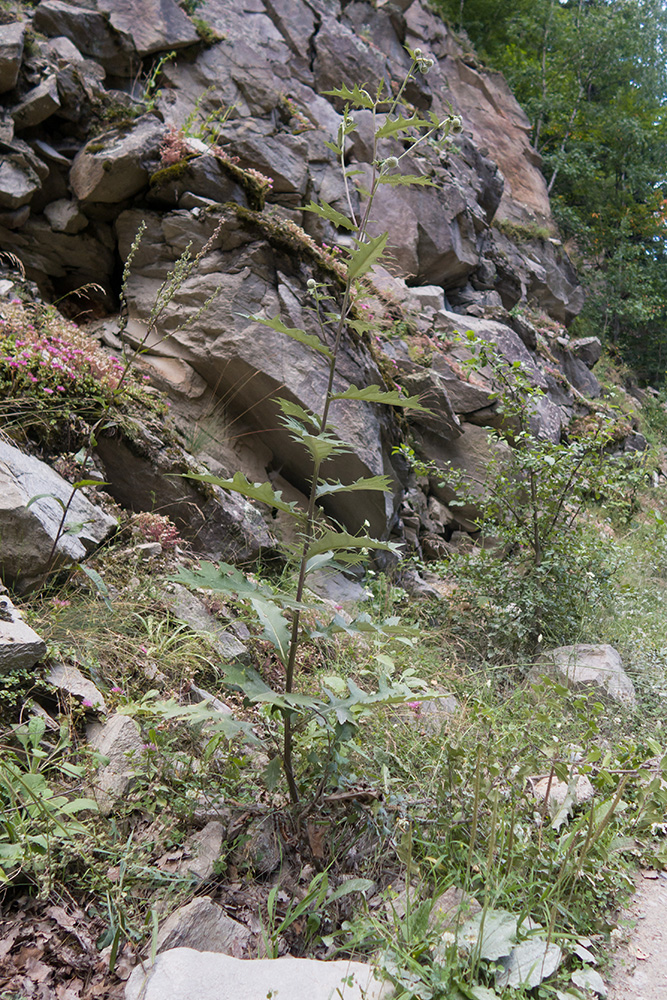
x: 351, y: 885
x: 336, y: 540
x: 334, y: 147
x: 74, y: 528
x: 394, y: 125
x: 45, y: 496
x: 101, y: 586
x: 247, y: 679
x: 529, y: 964
x: 373, y: 394
x: 362, y: 259
x: 223, y: 579
x: 357, y: 97
x: 197, y: 714
x: 309, y: 339
x: 263, y: 492
x: 323, y: 559
x: 380, y: 483
x: 78, y: 805
x: 325, y: 211
x: 491, y: 933
x: 395, y: 179
x: 87, y: 482
x: 360, y: 326
x: 272, y: 773
x: 226, y: 579
x: 276, y: 629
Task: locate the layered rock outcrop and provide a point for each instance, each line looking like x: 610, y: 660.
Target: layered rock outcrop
x: 229, y: 148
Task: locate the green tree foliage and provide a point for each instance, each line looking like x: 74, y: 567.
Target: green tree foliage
x: 592, y: 77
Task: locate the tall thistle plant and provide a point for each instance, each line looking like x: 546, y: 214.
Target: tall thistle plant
x: 280, y: 614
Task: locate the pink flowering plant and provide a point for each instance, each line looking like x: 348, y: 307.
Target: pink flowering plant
x: 55, y: 380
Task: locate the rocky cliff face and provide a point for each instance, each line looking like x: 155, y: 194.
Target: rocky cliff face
x: 89, y: 154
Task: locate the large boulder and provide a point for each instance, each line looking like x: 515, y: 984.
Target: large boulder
x: 32, y: 499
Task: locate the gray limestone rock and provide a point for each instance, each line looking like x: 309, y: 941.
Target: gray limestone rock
x: 37, y: 105
x: 70, y: 682
x: 589, y: 666
x: 122, y: 166
x: 202, y: 850
x: 203, y: 925
x: 185, y: 974
x: 336, y: 587
x: 27, y: 533
x: 50, y: 256
x: 20, y: 646
x: 18, y: 182
x: 150, y: 25
x: 16, y: 218
x: 12, y: 37
x: 118, y: 739
x: 90, y: 31
x: 65, y: 216
x: 246, y: 363
x: 188, y: 608
x: 586, y: 349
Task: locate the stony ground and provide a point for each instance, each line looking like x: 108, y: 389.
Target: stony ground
x: 640, y: 964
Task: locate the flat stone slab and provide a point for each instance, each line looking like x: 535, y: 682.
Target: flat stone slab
x: 185, y: 974
x: 20, y: 646
x: 71, y: 681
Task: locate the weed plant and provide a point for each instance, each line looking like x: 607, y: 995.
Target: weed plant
x: 282, y: 614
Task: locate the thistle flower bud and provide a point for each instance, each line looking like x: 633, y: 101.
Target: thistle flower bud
x: 456, y: 125
x: 417, y: 53
x: 390, y: 164
x: 311, y: 284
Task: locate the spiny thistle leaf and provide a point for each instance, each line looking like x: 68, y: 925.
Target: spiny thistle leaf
x: 373, y: 394
x: 396, y: 179
x: 309, y: 339
x: 336, y: 540
x: 325, y: 211
x: 263, y: 492
x: 381, y: 483
x: 362, y: 259
x: 394, y: 125
x: 321, y: 447
x: 291, y: 409
x: 357, y: 97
